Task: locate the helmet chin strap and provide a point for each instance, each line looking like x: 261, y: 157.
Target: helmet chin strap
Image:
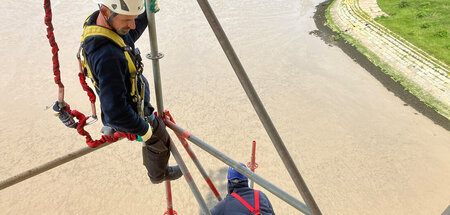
x: 108, y: 21
x: 111, y: 17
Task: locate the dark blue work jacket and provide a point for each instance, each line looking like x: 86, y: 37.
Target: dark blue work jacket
x: 110, y: 70
x: 231, y: 206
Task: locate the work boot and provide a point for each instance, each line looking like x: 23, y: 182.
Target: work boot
x: 171, y: 173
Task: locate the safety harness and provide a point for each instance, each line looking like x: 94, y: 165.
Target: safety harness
x: 135, y: 70
x: 62, y: 109
x: 255, y: 210
x: 65, y: 114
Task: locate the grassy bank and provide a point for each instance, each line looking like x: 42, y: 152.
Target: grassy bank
x: 424, y: 23
x: 396, y: 75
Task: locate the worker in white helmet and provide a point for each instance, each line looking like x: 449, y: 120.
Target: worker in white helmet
x: 114, y: 65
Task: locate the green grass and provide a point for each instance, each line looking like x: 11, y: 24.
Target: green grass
x: 425, y: 23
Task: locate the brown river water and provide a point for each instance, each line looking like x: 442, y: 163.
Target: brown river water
x: 360, y: 148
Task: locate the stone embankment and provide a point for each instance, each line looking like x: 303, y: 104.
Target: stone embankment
x: 429, y: 76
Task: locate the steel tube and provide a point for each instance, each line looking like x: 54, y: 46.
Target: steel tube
x: 160, y: 107
x: 244, y: 171
x: 253, y: 162
x: 258, y: 106
x: 155, y: 61
x: 49, y: 165
x: 189, y: 179
x: 169, y: 198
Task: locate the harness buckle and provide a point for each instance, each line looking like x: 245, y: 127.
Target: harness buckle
x: 137, y: 57
x: 127, y: 48
x: 135, y: 99
x: 137, y: 54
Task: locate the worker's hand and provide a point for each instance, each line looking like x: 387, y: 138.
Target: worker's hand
x: 154, y: 6
x: 146, y: 136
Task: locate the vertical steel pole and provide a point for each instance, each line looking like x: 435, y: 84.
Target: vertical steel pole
x: 258, y: 106
x: 155, y: 56
x: 253, y: 162
x: 169, y: 199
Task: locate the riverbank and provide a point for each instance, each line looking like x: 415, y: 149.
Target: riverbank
x: 422, y: 75
x: 330, y: 34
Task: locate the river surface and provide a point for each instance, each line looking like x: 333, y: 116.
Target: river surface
x: 360, y: 148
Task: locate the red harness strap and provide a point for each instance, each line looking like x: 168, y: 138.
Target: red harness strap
x: 255, y: 210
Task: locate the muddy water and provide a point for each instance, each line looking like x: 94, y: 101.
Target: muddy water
x: 360, y: 148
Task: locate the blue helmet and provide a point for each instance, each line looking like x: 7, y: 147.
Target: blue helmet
x: 233, y: 174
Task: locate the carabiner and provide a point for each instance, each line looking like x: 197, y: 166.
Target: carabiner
x: 93, y: 119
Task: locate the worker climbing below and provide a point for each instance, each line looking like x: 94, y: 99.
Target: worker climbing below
x: 114, y: 65
x: 241, y: 199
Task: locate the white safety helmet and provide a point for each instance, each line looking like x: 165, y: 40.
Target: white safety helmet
x: 125, y: 7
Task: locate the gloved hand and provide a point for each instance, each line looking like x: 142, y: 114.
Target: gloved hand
x: 154, y: 6
x: 146, y: 136
x: 139, y: 138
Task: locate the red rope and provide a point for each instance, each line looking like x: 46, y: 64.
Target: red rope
x: 86, y: 87
x: 80, y: 116
x: 55, y: 49
x: 105, y: 138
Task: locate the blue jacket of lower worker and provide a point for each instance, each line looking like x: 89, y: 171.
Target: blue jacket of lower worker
x: 110, y: 70
x: 232, y: 206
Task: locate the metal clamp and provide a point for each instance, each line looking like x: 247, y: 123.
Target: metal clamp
x: 174, y: 212
x: 252, y: 166
x: 152, y: 57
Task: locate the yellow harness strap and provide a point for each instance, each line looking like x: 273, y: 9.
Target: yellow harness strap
x: 94, y: 30
x: 136, y: 92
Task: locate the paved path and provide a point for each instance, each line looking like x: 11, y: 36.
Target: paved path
x: 356, y: 19
x: 371, y: 7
